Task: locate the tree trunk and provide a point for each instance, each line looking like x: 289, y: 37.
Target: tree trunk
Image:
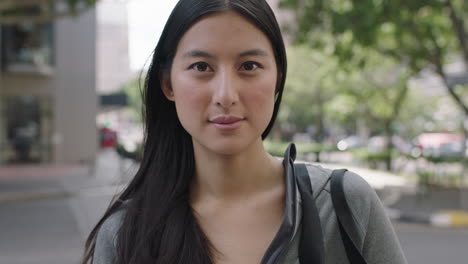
x: 463, y: 192
x: 319, y: 135
x: 388, y: 145
x: 463, y: 107
x: 460, y: 32
x: 438, y: 62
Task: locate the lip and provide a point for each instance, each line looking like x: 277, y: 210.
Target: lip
x: 226, y: 122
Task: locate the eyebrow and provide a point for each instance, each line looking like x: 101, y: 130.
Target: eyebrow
x: 200, y: 53
x: 254, y: 52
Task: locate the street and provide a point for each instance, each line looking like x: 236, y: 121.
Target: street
x: 430, y: 245
x: 49, y: 231
x: 52, y: 231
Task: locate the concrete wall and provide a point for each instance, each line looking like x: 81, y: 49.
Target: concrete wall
x: 2, y: 122
x: 76, y: 88
x: 72, y: 88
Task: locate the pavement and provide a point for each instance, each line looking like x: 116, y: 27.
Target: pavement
x: 405, y: 200
x: 109, y: 174
x: 435, y: 206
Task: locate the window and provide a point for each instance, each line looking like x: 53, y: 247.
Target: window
x: 25, y: 136
x: 27, y: 47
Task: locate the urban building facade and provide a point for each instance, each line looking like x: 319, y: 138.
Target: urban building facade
x: 51, y: 76
x: 48, y: 100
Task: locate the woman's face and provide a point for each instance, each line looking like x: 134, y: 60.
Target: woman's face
x: 223, y: 81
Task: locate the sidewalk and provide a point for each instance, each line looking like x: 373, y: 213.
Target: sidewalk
x: 33, y: 182
x: 48, y: 211
x: 441, y: 207
x: 405, y: 200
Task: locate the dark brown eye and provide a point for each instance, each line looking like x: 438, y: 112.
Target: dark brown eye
x: 249, y: 66
x: 201, y: 67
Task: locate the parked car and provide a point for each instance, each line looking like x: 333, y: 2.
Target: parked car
x: 108, y: 137
x: 452, y: 149
x: 439, y: 145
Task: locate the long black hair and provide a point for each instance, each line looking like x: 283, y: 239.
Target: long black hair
x: 159, y: 225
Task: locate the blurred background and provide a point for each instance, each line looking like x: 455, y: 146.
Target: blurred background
x: 379, y: 87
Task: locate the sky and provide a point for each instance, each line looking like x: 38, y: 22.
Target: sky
x: 146, y: 20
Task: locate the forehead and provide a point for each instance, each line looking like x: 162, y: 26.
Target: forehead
x: 225, y: 32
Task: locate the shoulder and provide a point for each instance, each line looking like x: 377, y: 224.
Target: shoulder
x: 374, y: 233
x: 354, y: 186
x: 112, y: 224
x: 107, y: 237
x: 360, y: 196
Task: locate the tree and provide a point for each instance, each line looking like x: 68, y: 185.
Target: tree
x: 380, y: 88
x: 41, y: 11
x: 421, y: 34
x: 310, y: 85
x: 133, y: 90
x: 317, y: 84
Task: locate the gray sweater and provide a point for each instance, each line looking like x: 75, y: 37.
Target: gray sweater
x: 375, y: 235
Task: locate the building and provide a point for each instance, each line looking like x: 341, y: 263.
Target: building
x: 48, y: 100
x: 112, y: 61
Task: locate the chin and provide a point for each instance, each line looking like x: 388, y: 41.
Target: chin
x: 227, y: 147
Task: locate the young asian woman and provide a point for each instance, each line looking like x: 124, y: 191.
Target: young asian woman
x: 206, y: 190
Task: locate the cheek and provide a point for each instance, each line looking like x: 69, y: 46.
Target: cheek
x: 261, y: 96
x: 190, y: 98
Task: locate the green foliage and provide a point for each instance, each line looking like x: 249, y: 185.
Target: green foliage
x: 431, y: 178
x: 425, y: 177
x: 278, y: 148
x: 411, y: 30
x: 134, y: 93
x: 439, y: 160
x: 374, y: 93
x: 343, y: 107
x: 373, y: 159
x: 275, y: 148
x: 380, y: 87
x: 311, y: 83
x: 418, y: 110
x: 415, y: 34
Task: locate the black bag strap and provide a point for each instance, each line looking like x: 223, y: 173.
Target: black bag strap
x: 344, y: 217
x: 311, y: 246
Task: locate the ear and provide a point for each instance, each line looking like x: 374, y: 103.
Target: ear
x: 167, y: 90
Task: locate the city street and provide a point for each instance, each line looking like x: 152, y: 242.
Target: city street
x: 47, y: 213
x: 52, y: 231
x: 430, y: 245
x: 379, y: 88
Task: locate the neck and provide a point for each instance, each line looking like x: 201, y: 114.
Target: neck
x: 235, y: 177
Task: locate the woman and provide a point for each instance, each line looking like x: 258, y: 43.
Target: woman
x: 207, y: 191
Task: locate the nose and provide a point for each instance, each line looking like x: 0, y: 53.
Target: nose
x: 226, y: 90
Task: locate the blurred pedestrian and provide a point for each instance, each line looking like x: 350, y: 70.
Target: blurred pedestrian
x: 206, y: 190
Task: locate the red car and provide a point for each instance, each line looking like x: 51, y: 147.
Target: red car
x: 108, y: 137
